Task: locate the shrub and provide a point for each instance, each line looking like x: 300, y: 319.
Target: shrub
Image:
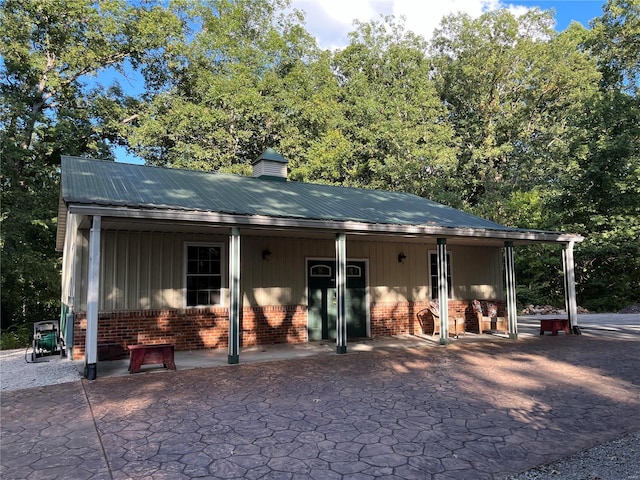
x: 16, y: 336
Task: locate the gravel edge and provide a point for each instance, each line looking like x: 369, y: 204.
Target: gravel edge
x: 617, y: 459
x: 16, y: 371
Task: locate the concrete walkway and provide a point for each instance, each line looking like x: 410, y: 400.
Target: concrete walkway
x: 484, y: 407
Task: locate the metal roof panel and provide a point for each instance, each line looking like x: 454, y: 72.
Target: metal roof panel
x: 96, y: 182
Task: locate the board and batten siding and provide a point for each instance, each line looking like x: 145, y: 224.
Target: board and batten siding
x: 145, y: 270
x: 142, y: 270
x: 390, y: 280
x: 477, y: 272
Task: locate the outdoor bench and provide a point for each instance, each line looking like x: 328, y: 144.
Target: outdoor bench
x: 553, y: 325
x: 151, y: 354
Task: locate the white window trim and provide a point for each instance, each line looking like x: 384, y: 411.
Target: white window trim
x: 223, y: 278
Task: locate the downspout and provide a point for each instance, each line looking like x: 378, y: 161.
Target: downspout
x: 68, y: 283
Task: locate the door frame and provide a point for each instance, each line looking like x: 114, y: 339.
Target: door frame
x: 367, y: 293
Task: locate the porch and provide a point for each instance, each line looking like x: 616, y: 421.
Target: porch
x: 217, y: 357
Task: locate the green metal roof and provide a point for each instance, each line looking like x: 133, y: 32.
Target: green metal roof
x: 102, y: 183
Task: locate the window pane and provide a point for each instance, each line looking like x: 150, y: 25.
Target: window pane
x: 433, y: 262
x: 353, y: 271
x: 192, y: 298
x: 192, y: 266
x: 321, y: 271
x: 203, y: 297
x: 204, y: 267
x: 215, y: 297
x: 204, y: 281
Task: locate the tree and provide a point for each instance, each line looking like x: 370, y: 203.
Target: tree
x: 601, y: 191
x: 513, y: 88
x: 221, y: 107
x: 49, y: 49
x: 392, y: 134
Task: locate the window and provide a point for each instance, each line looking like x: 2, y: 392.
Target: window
x: 204, y: 279
x: 321, y: 271
x: 354, y: 271
x: 433, y: 269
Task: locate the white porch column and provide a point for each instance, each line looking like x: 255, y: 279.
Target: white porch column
x: 570, y: 286
x: 443, y: 291
x: 234, y: 296
x: 510, y: 283
x: 68, y: 287
x: 93, y: 298
x: 341, y: 292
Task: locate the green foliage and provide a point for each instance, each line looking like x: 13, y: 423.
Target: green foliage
x: 48, y: 50
x: 392, y: 115
x: 600, y: 194
x: 16, y: 336
x: 500, y: 116
x: 539, y: 275
x: 614, y: 40
x: 513, y: 88
x: 229, y: 87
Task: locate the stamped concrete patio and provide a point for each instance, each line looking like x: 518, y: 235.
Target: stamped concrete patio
x: 481, y: 408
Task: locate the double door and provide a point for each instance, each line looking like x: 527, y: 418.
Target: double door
x: 323, y: 309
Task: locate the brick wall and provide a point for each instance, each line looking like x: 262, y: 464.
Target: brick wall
x: 194, y: 329
x: 402, y: 318
x: 273, y: 324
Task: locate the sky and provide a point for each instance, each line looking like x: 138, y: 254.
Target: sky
x: 330, y: 21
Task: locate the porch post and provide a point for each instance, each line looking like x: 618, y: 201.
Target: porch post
x: 93, y: 298
x: 341, y: 291
x: 67, y: 297
x: 234, y: 296
x: 443, y: 291
x: 570, y: 286
x: 510, y: 281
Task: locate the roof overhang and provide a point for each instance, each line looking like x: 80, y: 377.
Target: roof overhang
x: 259, y: 222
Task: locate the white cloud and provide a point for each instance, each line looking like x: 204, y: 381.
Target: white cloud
x: 424, y: 17
x: 330, y: 21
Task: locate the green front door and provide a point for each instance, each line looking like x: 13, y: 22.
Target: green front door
x: 323, y: 304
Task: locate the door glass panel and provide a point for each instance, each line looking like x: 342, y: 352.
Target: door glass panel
x: 353, y: 271
x: 321, y: 271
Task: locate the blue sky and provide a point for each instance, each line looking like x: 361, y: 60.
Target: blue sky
x: 331, y: 20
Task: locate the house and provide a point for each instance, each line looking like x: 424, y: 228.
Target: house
x: 209, y: 260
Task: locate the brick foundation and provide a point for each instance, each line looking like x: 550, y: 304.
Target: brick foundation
x: 402, y: 319
x: 195, y: 329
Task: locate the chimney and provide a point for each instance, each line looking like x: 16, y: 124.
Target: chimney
x: 270, y: 165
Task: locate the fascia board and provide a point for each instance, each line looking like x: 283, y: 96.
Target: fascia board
x: 260, y: 221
